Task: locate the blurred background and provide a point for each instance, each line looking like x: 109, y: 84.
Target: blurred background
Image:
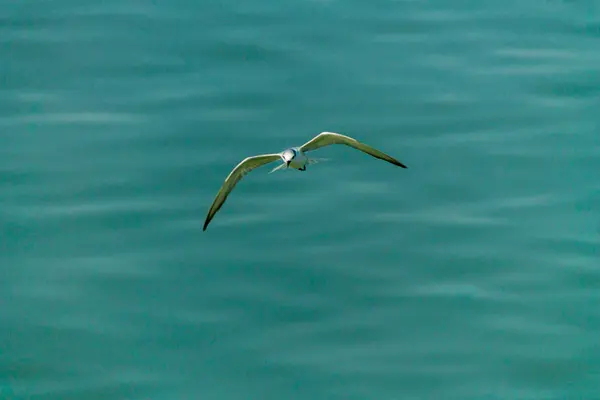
x: 474, y: 274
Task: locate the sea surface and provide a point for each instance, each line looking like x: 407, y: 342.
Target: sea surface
x: 473, y: 274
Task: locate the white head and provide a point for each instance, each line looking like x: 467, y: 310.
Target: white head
x: 288, y: 155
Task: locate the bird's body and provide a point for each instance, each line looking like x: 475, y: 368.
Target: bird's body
x: 293, y: 158
x: 299, y: 160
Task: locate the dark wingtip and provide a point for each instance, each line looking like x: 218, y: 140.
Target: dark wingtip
x: 205, y: 225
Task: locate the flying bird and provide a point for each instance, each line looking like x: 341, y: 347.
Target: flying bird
x: 294, y: 158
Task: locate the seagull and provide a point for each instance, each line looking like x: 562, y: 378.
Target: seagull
x: 294, y: 158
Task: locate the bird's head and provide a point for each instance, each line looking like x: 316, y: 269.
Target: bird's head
x: 288, y: 155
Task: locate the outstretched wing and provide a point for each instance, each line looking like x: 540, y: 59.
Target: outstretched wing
x: 241, y: 170
x: 327, y: 138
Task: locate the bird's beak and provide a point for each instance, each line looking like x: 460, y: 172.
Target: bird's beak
x: 287, y: 163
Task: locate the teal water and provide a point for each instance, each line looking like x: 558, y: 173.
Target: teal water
x: 474, y: 274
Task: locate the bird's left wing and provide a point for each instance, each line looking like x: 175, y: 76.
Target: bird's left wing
x: 328, y: 138
x: 234, y: 177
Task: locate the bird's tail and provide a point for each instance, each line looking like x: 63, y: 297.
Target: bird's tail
x: 317, y: 160
x: 277, y: 168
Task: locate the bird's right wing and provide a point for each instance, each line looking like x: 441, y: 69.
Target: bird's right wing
x: 328, y: 138
x: 241, y: 170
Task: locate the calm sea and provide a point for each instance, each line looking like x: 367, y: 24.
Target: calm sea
x: 473, y: 274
